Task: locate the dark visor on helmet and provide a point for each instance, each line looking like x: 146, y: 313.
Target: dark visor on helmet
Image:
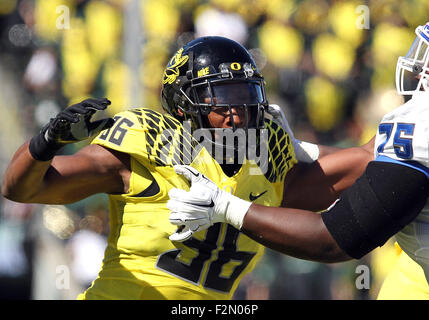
x: 230, y: 93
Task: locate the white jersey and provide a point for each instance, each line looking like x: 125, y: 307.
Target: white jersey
x: 403, y: 137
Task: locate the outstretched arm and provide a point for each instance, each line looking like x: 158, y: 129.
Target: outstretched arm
x: 34, y: 175
x: 294, y: 232
x: 322, y: 172
x: 65, y: 179
x: 315, y: 186
x: 387, y: 197
x: 327, y: 150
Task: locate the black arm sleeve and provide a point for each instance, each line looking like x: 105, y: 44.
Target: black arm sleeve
x: 386, y: 198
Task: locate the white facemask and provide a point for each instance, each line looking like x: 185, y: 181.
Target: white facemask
x: 412, y: 71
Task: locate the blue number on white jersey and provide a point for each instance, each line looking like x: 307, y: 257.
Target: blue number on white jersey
x: 402, y: 139
x: 384, y: 128
x: 402, y: 144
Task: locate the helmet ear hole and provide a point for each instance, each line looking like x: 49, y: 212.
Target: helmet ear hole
x: 179, y: 102
x: 177, y: 99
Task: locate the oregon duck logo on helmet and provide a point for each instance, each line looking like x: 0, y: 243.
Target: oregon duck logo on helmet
x: 172, y: 70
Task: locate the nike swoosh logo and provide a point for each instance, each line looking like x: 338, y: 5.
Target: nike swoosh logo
x: 196, y: 175
x: 254, y: 197
x: 211, y: 205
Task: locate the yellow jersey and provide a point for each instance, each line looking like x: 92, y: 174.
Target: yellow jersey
x: 140, y: 261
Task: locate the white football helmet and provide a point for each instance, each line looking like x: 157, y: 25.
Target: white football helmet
x: 412, y: 71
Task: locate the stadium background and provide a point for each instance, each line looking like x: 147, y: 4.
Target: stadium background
x: 329, y: 64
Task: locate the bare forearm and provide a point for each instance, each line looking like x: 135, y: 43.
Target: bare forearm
x: 317, y: 185
x: 298, y: 233
x: 23, y: 178
x: 65, y: 179
x: 325, y: 150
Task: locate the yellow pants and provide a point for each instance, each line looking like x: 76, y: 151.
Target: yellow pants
x: 109, y: 288
x: 406, y: 281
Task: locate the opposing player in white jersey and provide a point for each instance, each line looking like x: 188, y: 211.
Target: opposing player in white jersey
x: 388, y: 199
x: 403, y: 137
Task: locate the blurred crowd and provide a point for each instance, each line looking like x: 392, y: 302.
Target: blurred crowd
x: 330, y: 64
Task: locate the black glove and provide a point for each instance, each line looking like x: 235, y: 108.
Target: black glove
x: 69, y: 126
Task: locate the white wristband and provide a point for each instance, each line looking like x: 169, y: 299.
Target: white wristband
x: 305, y: 151
x: 236, y: 209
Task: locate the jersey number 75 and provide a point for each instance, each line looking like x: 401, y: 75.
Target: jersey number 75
x: 402, y: 138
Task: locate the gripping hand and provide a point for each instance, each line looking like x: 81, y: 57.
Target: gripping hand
x: 202, y: 206
x: 70, y: 125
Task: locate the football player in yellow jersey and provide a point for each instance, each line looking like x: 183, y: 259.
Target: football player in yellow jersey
x: 389, y: 199
x: 212, y: 90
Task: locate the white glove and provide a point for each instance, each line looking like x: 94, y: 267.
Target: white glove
x: 202, y: 206
x: 304, y: 151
